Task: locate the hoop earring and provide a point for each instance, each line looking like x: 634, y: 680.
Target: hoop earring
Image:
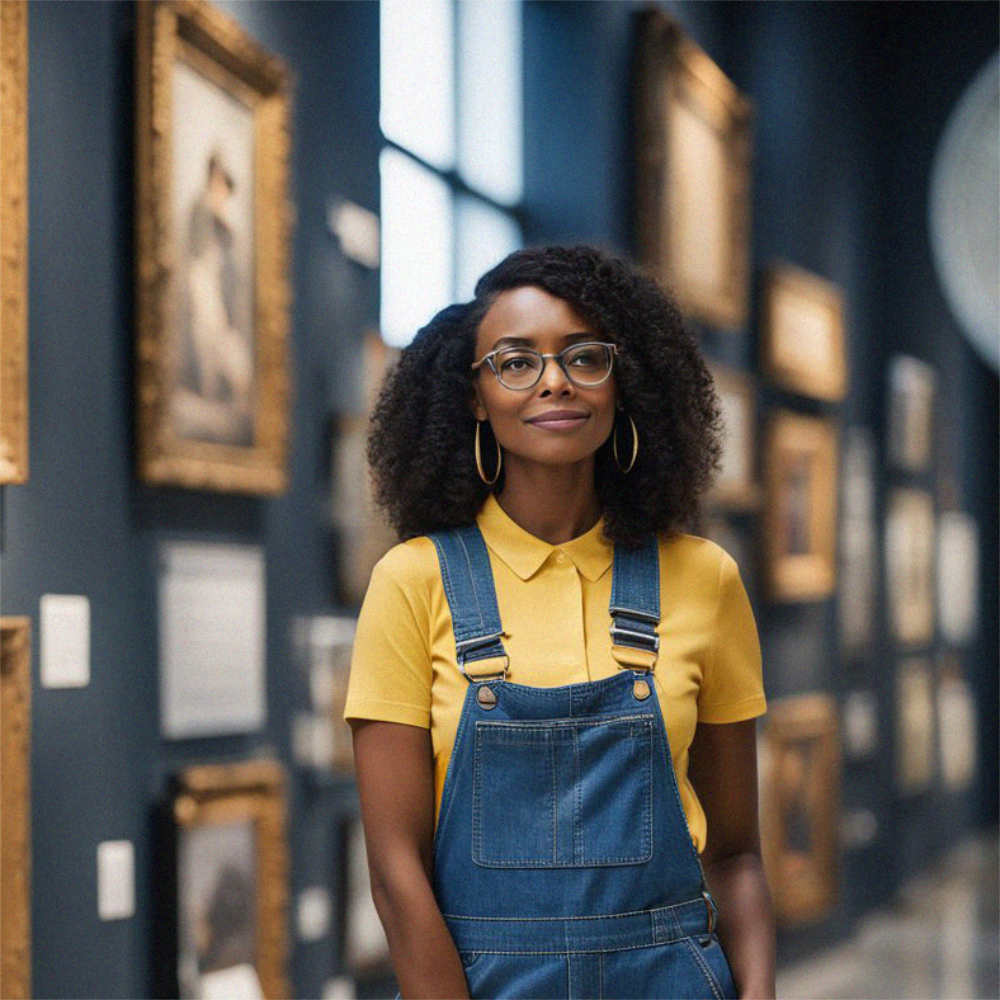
x: 635, y: 445
x: 479, y: 458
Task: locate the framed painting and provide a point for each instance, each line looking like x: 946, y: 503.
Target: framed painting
x: 736, y: 487
x: 13, y: 241
x: 15, y: 806
x: 800, y: 484
x: 909, y: 558
x: 958, y: 576
x: 693, y: 149
x: 957, y: 725
x: 800, y: 806
x: 915, y: 725
x: 857, y: 541
x: 802, y: 333
x: 213, y: 222
x: 231, y: 878
x: 912, y: 388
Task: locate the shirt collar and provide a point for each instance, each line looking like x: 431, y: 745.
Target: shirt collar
x: 525, y: 553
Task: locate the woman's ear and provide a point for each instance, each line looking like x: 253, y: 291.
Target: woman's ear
x: 476, y: 404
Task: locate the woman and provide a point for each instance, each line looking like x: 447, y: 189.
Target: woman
x: 536, y: 791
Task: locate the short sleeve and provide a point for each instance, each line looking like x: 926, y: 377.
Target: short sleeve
x: 390, y: 678
x: 732, y: 687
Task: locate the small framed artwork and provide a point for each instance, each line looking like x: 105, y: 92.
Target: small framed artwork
x: 213, y: 217
x: 957, y: 576
x: 800, y: 806
x: 909, y: 557
x: 232, y: 871
x: 14, y: 242
x: 800, y: 483
x: 857, y: 541
x: 15, y: 805
x: 914, y: 725
x: 736, y: 487
x: 802, y: 333
x: 957, y: 725
x: 860, y: 724
x: 693, y: 184
x: 912, y: 385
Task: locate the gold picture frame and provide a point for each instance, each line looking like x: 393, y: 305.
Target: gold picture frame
x: 213, y: 228
x: 693, y: 185
x: 800, y: 510
x: 802, y: 333
x: 736, y: 487
x: 231, y: 842
x: 14, y: 241
x: 15, y: 806
x: 800, y: 806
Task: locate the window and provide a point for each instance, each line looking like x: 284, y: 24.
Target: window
x: 451, y: 160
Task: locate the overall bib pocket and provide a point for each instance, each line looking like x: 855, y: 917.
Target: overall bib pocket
x: 552, y: 793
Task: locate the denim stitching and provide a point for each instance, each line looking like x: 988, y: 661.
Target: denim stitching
x: 706, y: 971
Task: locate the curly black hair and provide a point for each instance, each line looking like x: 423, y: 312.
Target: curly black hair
x: 420, y: 443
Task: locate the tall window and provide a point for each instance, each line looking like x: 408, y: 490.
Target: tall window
x: 451, y: 160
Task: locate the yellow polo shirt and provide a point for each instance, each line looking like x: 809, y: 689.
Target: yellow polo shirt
x: 553, y: 603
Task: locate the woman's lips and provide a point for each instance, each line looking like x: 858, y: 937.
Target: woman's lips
x: 558, y: 423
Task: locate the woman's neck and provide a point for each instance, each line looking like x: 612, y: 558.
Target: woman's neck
x: 551, y: 503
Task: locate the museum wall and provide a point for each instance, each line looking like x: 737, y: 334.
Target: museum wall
x: 849, y: 103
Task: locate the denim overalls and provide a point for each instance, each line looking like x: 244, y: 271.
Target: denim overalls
x: 563, y: 864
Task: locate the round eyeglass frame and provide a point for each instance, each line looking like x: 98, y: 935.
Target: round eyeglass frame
x: 488, y: 360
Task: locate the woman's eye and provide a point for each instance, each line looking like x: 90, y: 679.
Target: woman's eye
x: 585, y: 358
x: 512, y: 364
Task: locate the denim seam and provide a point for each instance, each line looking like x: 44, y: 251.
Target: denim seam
x: 706, y: 971
x: 670, y: 910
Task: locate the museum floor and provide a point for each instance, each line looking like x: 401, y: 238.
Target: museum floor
x: 939, y: 940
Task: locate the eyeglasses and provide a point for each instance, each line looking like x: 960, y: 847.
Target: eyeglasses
x: 585, y: 365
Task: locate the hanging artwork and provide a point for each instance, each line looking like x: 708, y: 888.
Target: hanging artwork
x: 800, y: 482
x: 802, y: 333
x: 957, y: 725
x: 912, y: 385
x: 800, y: 806
x: 693, y: 184
x: 957, y: 576
x: 909, y: 556
x: 736, y: 487
x: 858, y: 544
x: 914, y: 726
x: 213, y: 243
x: 14, y: 241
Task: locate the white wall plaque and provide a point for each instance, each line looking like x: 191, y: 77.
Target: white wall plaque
x: 65, y: 640
x: 115, y: 879
x: 211, y: 603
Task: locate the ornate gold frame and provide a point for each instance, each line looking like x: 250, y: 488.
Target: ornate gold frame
x: 795, y: 302
x: 674, y: 76
x: 13, y: 241
x: 15, y: 806
x: 249, y: 790
x: 792, y: 438
x: 164, y: 29
x: 804, y: 885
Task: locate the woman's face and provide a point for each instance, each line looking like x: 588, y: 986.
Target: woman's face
x: 530, y: 316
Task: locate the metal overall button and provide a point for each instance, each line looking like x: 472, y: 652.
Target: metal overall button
x: 640, y: 689
x: 486, y: 697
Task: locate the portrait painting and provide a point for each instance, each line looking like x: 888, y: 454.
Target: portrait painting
x: 800, y: 474
x: 693, y: 182
x: 14, y: 242
x: 802, y: 333
x: 231, y: 881
x: 800, y: 805
x: 213, y: 221
x: 736, y: 486
x: 909, y: 555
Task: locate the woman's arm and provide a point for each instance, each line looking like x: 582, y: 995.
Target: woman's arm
x: 396, y: 787
x: 723, y: 769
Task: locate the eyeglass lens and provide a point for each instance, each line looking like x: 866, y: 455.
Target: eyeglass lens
x: 521, y: 367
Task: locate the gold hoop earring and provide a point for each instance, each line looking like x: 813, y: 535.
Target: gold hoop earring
x: 635, y: 445
x: 479, y: 458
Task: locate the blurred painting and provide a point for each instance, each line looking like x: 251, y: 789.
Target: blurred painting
x: 735, y: 487
x: 14, y: 242
x: 957, y: 576
x: 860, y: 724
x: 912, y: 385
x: 800, y: 472
x: 802, y: 342
x: 914, y: 726
x: 693, y: 182
x: 957, y: 725
x: 909, y: 543
x: 857, y: 541
x: 800, y: 806
x: 213, y: 225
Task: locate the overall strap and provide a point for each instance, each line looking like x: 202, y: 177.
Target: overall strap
x: 468, y: 585
x: 635, y: 604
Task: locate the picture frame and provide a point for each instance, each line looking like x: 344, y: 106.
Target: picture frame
x: 857, y: 541
x: 799, y: 517
x: 231, y: 879
x: 912, y: 391
x: 693, y: 150
x: 909, y: 559
x: 15, y: 806
x: 958, y: 587
x: 736, y: 487
x: 802, y: 345
x: 213, y: 381
x: 800, y: 806
x: 915, y: 725
x: 957, y: 725
x: 14, y: 242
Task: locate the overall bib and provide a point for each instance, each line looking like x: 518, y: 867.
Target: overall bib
x: 563, y: 864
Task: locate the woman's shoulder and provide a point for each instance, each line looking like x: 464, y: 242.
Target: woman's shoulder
x: 692, y: 553
x: 412, y: 565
